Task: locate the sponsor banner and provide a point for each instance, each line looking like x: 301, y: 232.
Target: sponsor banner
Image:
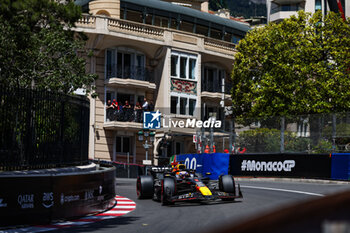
x: 341, y: 166
x: 281, y: 165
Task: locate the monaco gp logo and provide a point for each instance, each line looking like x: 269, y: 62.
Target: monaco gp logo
x: 276, y: 166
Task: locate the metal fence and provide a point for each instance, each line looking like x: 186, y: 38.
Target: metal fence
x: 42, y: 129
x: 316, y: 133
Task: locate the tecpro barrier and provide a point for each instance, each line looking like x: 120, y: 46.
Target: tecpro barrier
x: 42, y: 198
x: 281, y: 165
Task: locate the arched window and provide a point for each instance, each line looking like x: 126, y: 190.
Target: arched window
x: 103, y: 12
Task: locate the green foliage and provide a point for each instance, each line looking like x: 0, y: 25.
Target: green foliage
x: 243, y: 8
x: 217, y: 4
x: 323, y: 146
x: 39, y: 49
x: 299, y: 66
x: 269, y: 140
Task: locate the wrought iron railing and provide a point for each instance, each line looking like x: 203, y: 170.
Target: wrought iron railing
x: 129, y: 72
x: 42, y: 129
x: 210, y: 87
x: 125, y: 115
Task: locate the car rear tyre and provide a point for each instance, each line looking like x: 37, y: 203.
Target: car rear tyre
x: 168, y: 190
x: 144, y: 187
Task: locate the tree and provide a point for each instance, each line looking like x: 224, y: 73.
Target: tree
x: 298, y: 66
x: 38, y: 47
x: 217, y: 4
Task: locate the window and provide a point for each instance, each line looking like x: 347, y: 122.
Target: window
x: 110, y: 64
x: 192, y: 106
x: 186, y: 26
x: 212, y: 79
x: 135, y: 16
x: 173, y: 105
x: 125, y: 63
x: 202, y: 30
x: 174, y: 60
x: 148, y: 18
x: 183, y: 105
x: 318, y: 5
x: 235, y: 39
x: 173, y: 23
x: 216, y: 34
x: 186, y: 105
x: 123, y: 145
x: 183, y: 66
x: 192, y: 69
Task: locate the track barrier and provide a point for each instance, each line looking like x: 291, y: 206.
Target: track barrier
x: 334, y: 166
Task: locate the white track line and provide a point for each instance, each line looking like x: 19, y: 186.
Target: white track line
x: 283, y: 190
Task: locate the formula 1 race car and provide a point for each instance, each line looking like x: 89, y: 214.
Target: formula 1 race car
x: 178, y: 184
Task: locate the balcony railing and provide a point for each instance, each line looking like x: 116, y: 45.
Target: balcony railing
x: 210, y: 87
x: 103, y: 23
x: 119, y: 24
x: 129, y: 72
x: 220, y: 44
x: 125, y: 115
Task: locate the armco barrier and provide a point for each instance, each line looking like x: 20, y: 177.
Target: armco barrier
x: 340, y: 166
x: 216, y: 163
x: 281, y: 165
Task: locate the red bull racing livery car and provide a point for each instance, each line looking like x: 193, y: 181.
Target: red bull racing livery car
x: 178, y: 184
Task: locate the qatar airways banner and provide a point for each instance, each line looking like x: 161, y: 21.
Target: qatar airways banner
x: 281, y: 165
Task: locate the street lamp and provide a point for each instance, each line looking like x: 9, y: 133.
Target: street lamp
x: 146, y: 136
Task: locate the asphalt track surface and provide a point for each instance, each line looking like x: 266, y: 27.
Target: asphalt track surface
x: 259, y: 197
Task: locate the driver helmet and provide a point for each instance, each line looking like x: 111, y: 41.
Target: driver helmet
x: 183, y: 174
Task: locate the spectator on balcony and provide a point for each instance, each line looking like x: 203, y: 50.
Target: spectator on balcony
x: 109, y: 110
x: 126, y: 105
x: 128, y: 112
x: 116, y: 106
x: 145, y: 105
x: 138, y: 112
x: 138, y: 106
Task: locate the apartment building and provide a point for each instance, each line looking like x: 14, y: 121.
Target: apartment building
x: 174, y: 55
x: 278, y: 10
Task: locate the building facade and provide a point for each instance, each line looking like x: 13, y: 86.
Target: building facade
x: 278, y: 10
x: 177, y: 57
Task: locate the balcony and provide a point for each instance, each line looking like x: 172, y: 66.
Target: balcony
x: 149, y: 33
x: 211, y: 91
x: 127, y: 119
x: 220, y: 46
x: 129, y: 76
